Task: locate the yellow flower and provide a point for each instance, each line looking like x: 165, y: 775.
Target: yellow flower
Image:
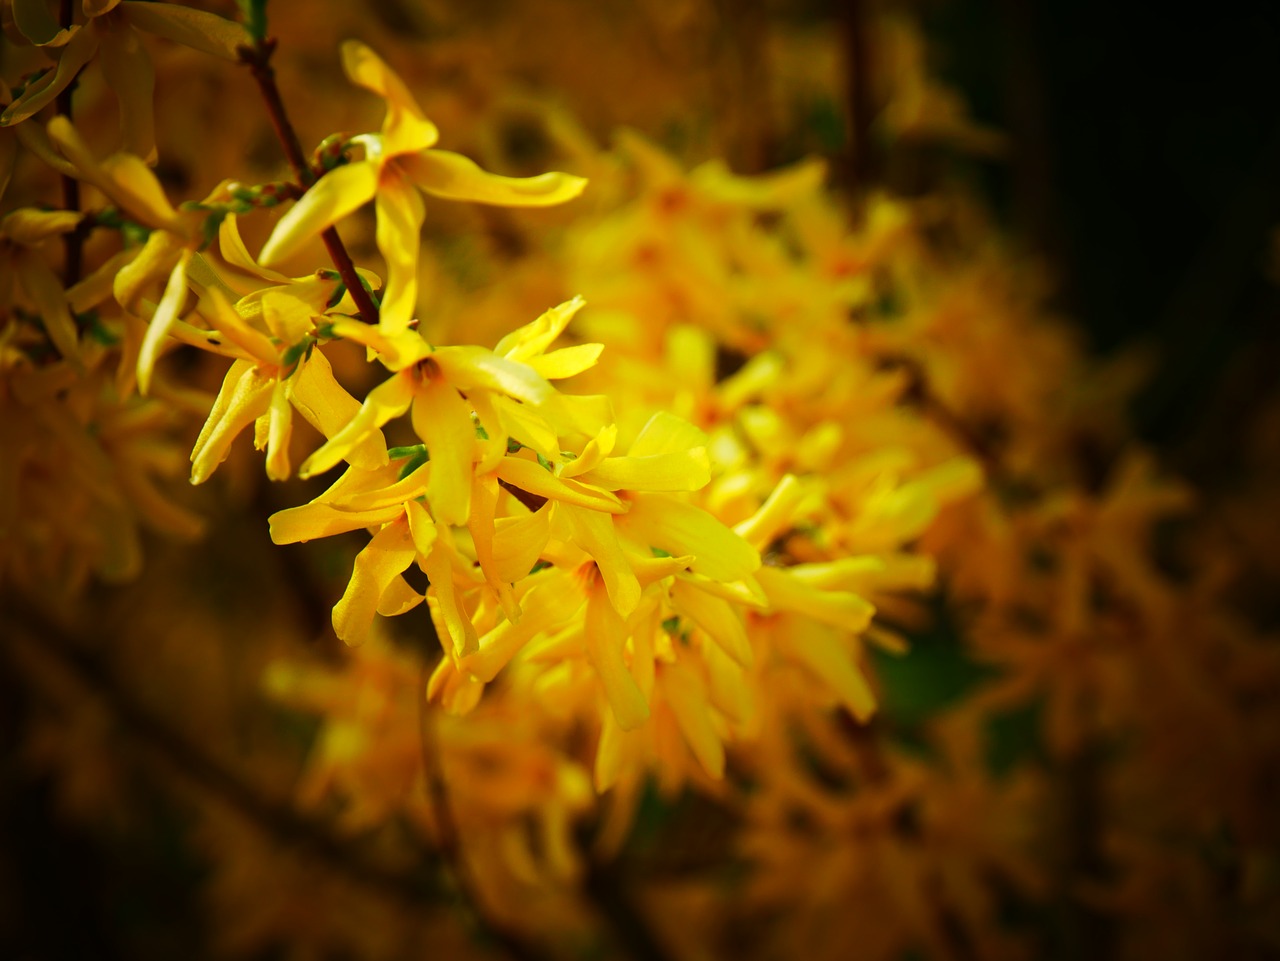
x: 398, y: 162
x: 112, y: 34
x: 272, y: 376
x: 21, y: 235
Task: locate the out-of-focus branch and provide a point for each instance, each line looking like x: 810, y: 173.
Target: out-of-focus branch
x: 861, y: 169
x: 73, y: 240
x: 258, y: 59
x: 40, y: 636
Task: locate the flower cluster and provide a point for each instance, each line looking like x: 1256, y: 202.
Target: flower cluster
x: 717, y: 566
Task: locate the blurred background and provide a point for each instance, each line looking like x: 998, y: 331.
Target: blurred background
x: 1128, y: 154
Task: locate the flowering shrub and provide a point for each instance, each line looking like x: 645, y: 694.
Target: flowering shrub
x: 629, y: 515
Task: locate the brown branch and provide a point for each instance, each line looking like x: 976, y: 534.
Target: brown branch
x: 258, y: 59
x: 74, y: 239
x: 861, y: 170
x: 186, y: 759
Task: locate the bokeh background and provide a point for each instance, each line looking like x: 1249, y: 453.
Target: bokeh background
x: 1129, y: 157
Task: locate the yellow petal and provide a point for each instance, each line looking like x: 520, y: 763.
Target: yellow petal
x: 775, y: 514
x: 27, y: 226
x: 154, y: 260
x: 389, y: 399
x: 715, y: 616
x: 389, y: 552
x: 819, y: 649
x: 524, y: 424
x: 405, y: 129
x: 326, y: 406
x: 606, y: 636
x: 518, y: 542
x: 470, y: 367
x: 175, y: 293
x: 38, y: 95
x: 456, y: 177
x: 534, y: 338
x: 838, y: 608
x: 771, y: 191
x: 484, y: 503
x: 289, y: 318
x: 566, y: 362
x: 279, y: 430
x: 679, y: 528
x: 328, y: 200
x: 236, y: 254
x: 197, y: 29
x: 442, y: 420
x: 399, y: 598
x: 687, y: 698
x: 127, y: 68
x: 597, y: 449
x: 439, y: 570
x: 594, y: 533
x: 223, y: 318
x: 37, y: 24
x: 42, y: 286
x: 686, y: 470
x: 548, y: 607
x: 532, y: 477
x: 244, y: 397
x: 126, y: 180
x: 400, y: 212
x: 309, y: 522
x: 666, y: 433
x: 422, y: 527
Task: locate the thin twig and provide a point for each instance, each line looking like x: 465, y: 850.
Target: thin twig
x: 860, y: 167
x: 73, y: 239
x: 258, y: 60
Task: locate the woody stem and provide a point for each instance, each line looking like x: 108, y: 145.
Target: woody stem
x: 74, y: 240
x: 258, y: 60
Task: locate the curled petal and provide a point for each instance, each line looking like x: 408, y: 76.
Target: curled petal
x: 377, y: 566
x: 716, y: 616
x: 43, y: 288
x: 328, y: 200
x: 594, y: 533
x: 400, y: 212
x: 686, y: 470
x: 442, y: 420
x: 535, y: 337
x: 389, y: 399
x: 687, y: 697
x: 606, y: 636
x: 197, y: 29
x: 531, y: 477
x: 244, y: 397
x: 78, y: 52
x: 567, y: 362
x: 679, y: 528
x: 175, y: 292
x: 308, y: 522
x: 38, y: 25
x: 279, y: 430
x: 405, y: 129
x: 455, y: 177
x: 326, y: 406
